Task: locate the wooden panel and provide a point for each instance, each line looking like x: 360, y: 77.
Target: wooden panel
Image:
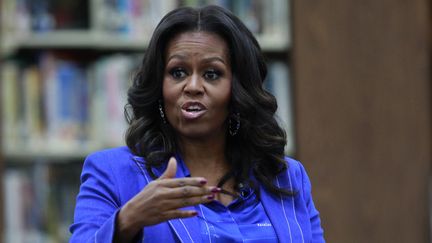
x: 363, y: 115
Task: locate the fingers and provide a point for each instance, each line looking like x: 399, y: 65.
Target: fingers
x: 168, y: 177
x: 183, y: 187
x: 180, y: 188
x: 192, y: 191
x: 186, y: 202
x: 171, y: 169
x: 178, y: 203
x: 173, y: 210
x: 185, y: 181
x: 171, y: 194
x: 174, y: 214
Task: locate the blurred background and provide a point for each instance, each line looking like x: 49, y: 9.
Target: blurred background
x: 352, y: 80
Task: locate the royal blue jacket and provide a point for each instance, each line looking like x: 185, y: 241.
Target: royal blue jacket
x: 110, y: 178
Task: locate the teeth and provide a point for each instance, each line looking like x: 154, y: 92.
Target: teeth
x: 193, y: 108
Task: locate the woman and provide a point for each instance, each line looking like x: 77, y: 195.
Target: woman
x: 205, y: 156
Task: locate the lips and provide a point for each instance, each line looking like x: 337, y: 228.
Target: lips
x: 193, y: 110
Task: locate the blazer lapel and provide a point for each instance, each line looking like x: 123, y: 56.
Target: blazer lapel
x: 186, y: 229
x: 276, y: 213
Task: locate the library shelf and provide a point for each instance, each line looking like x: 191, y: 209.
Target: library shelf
x: 30, y: 114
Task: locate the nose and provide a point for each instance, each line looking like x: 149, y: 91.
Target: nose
x: 194, y: 85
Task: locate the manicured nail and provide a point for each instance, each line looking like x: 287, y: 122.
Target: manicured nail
x: 216, y: 189
x: 203, y: 181
x: 195, y: 213
x: 210, y: 197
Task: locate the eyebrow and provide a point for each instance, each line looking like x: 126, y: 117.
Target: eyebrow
x: 207, y: 59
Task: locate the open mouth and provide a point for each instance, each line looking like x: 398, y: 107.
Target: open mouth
x: 193, y: 110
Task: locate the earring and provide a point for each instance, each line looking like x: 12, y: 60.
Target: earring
x: 234, y: 128
x: 161, y: 112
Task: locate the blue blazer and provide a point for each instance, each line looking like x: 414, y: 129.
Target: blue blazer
x: 111, y: 177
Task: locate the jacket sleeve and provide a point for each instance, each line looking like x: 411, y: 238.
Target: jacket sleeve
x: 97, y: 203
x: 317, y: 231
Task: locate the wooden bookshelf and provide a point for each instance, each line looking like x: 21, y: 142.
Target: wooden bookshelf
x: 106, y: 41
x: 32, y: 156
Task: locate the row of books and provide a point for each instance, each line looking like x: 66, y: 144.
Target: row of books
x: 261, y: 17
x: 131, y: 14
x: 59, y: 105
x: 133, y: 18
x: 44, y: 15
x: 39, y: 201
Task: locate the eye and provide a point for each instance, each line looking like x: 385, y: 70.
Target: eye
x: 178, y: 73
x: 212, y: 74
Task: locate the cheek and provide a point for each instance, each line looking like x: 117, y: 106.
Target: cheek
x: 228, y: 91
x: 168, y: 92
x: 169, y: 99
x: 165, y: 89
x: 225, y: 97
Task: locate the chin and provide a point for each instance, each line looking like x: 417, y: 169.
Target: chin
x: 194, y: 133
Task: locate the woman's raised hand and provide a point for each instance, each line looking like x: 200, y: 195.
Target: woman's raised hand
x: 162, y: 200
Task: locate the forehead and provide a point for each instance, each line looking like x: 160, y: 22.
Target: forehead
x: 197, y: 41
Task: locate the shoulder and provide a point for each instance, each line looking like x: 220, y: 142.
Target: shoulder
x: 295, y: 177
x: 114, y: 168
x: 108, y: 159
x: 112, y: 157
x: 111, y: 153
x: 294, y: 168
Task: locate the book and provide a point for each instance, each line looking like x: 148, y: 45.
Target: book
x: 14, y: 216
x: 31, y: 100
x: 112, y: 76
x: 10, y: 103
x: 39, y: 202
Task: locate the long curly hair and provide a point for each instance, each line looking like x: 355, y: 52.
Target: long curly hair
x: 257, y: 148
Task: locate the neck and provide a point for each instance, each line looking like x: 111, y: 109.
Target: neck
x: 205, y: 157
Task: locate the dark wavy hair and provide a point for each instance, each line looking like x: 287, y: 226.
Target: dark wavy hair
x: 258, y: 147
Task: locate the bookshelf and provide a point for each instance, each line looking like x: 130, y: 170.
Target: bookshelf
x: 63, y: 88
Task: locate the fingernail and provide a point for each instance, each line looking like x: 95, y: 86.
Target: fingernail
x: 195, y: 213
x: 210, y: 197
x: 203, y: 181
x: 216, y: 189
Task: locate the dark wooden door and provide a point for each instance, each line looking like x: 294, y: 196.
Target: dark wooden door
x: 362, y: 78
